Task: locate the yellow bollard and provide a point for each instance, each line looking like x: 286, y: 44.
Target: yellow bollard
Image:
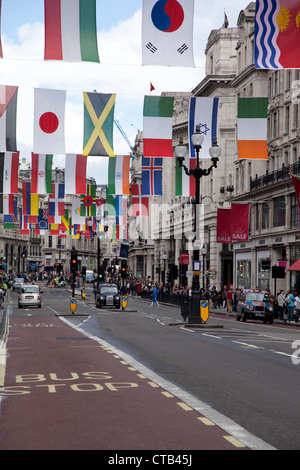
x: 73, y: 304
x: 83, y: 293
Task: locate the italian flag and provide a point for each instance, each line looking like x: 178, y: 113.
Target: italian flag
x: 157, y: 123
x: 71, y: 30
x: 252, y: 128
x: 185, y: 184
x: 118, y: 175
x: 41, y: 173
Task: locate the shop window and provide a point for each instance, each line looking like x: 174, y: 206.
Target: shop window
x: 244, y: 274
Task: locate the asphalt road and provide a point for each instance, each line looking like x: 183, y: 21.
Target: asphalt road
x: 242, y: 377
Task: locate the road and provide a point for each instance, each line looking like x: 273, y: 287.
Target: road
x: 240, y: 378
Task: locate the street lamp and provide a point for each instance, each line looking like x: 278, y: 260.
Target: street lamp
x: 197, y: 173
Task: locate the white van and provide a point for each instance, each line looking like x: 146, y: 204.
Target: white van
x: 90, y: 276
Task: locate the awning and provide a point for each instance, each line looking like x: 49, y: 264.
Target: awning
x: 295, y: 266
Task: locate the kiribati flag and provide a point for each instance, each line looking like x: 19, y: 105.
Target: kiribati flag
x: 277, y: 26
x: 152, y: 176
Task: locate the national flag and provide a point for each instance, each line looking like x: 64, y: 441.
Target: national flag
x: 204, y: 113
x: 296, y: 183
x: 76, y: 217
x: 226, y: 22
x: 121, y: 218
x: 75, y: 174
x: 24, y: 229
x: 139, y: 203
x: 9, y: 222
x: 118, y: 175
x: 167, y: 33
x: 152, y: 169
x: 157, y: 122
x: 56, y: 202
x: 42, y: 221
x: 151, y: 87
x: 99, y: 111
x: 8, y: 117
x: 185, y: 184
x: 9, y: 167
x: 71, y: 30
x: 49, y: 121
x: 252, y: 128
x: 88, y: 206
x: 41, y: 173
x: 277, y: 24
x: 10, y: 204
x: 30, y: 201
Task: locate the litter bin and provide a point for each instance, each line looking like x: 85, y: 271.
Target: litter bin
x: 185, y: 307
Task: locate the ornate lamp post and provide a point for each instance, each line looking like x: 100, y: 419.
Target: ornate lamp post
x: 197, y: 173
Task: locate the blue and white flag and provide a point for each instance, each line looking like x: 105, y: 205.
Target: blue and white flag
x: 204, y: 113
x: 152, y: 169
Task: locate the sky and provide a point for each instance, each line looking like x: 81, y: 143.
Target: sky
x: 119, y: 27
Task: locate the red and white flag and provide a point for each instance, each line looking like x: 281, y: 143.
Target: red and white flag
x: 9, y: 167
x: 49, y: 121
x: 75, y: 174
x: 140, y: 204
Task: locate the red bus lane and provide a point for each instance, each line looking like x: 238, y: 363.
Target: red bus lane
x: 63, y: 390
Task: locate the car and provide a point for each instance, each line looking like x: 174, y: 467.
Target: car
x: 108, y: 296
x: 255, y: 304
x: 30, y: 296
x: 18, y: 283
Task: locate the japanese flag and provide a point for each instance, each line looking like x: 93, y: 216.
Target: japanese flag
x: 49, y: 121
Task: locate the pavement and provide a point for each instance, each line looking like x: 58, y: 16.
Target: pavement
x: 64, y: 389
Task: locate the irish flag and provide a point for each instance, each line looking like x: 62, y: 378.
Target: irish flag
x: 252, y: 128
x: 41, y: 173
x: 118, y: 175
x: 157, y: 122
x: 71, y: 31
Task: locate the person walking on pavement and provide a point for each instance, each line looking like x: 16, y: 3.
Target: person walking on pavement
x: 230, y: 298
x: 290, y: 307
x: 154, y: 296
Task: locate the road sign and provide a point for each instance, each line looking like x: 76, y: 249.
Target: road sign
x: 204, y: 313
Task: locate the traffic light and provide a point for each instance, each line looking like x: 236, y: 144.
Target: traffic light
x: 59, y: 267
x: 74, y: 263
x: 1, y: 267
x: 100, y: 274
x: 169, y: 276
x: 174, y: 272
x: 83, y: 273
x: 123, y: 269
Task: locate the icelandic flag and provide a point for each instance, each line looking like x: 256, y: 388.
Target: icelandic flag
x: 204, y: 113
x: 152, y: 169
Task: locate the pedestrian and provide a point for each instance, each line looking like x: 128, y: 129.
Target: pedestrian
x: 154, y: 296
x: 229, y: 300
x: 1, y: 298
x: 290, y: 307
x: 297, y: 307
x: 281, y: 304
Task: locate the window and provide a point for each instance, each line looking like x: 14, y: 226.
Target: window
x: 295, y: 212
x: 265, y: 214
x: 279, y: 212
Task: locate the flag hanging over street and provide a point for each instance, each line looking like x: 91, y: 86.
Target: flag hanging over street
x: 41, y: 173
x: 99, y: 111
x: 10, y: 204
x: 9, y: 167
x: 76, y: 217
x: 252, y: 128
x: 152, y: 169
x: 24, y: 229
x: 75, y: 174
x: 185, y: 184
x: 42, y: 221
x: 139, y: 203
x: 88, y: 206
x: 277, y: 24
x: 157, y: 123
x: 167, y: 33
x: 204, y: 113
x: 71, y: 30
x: 56, y: 202
x: 8, y: 118
x: 30, y: 201
x: 49, y: 121
x: 118, y: 175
